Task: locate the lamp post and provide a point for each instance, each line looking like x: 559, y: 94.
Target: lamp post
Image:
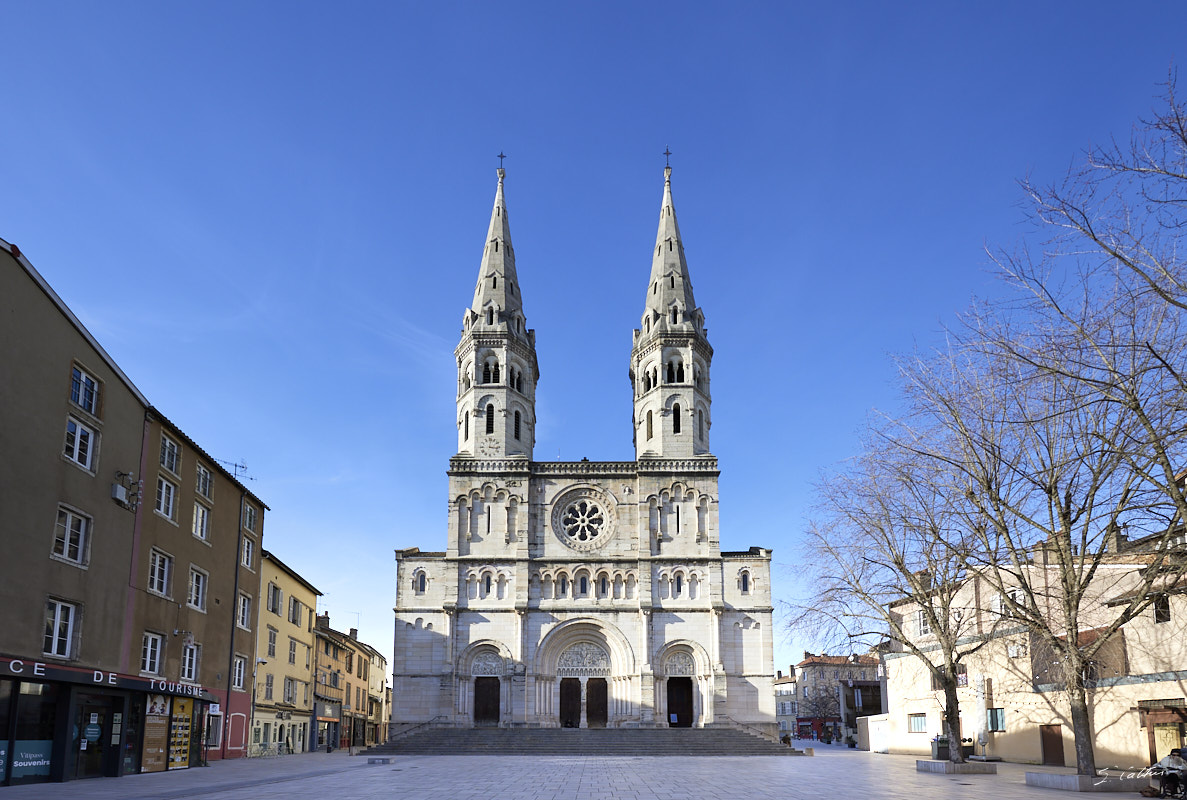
x: 252, y: 723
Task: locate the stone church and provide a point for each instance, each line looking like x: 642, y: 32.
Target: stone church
x: 591, y: 593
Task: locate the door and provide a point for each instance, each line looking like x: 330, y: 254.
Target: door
x: 679, y: 702
x: 95, y: 753
x: 1167, y: 735
x: 486, y: 701
x: 570, y: 703
x: 1051, y: 739
x: 595, y: 703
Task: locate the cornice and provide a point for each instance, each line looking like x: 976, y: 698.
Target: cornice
x: 700, y: 465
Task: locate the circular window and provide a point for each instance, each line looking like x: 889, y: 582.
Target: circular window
x: 582, y: 519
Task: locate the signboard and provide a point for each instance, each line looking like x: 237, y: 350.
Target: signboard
x: 3, y: 756
x: 179, y: 733
x: 35, y: 670
x: 30, y: 757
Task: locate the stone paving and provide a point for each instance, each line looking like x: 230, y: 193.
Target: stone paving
x: 833, y: 772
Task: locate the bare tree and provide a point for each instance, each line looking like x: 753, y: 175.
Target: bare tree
x: 1049, y: 469
x: 884, y: 561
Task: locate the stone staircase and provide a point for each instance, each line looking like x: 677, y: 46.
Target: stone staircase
x: 721, y: 741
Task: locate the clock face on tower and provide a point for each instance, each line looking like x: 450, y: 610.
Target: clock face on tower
x: 488, y: 446
x: 583, y: 518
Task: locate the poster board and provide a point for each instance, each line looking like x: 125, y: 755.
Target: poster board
x: 180, y: 732
x: 156, y: 734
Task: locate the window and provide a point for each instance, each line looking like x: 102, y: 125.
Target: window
x: 490, y: 418
x: 238, y: 671
x: 648, y: 424
x: 80, y: 443
x: 292, y: 651
x: 917, y: 723
x: 59, y: 628
x: 160, y: 572
x: 204, y: 482
x: 290, y: 690
x: 201, y: 521
x: 295, y: 611
x: 679, y: 585
x: 676, y: 418
x: 420, y: 583
x: 922, y: 622
x: 700, y: 423
x: 166, y: 497
x: 466, y: 428
x: 517, y: 425
x: 249, y: 547
x: 249, y: 517
x: 269, y: 682
x: 1162, y: 608
x: 962, y: 678
x: 997, y: 719
x: 271, y: 643
x: 243, y: 617
x: 151, y: 649
x: 70, y: 536
x: 84, y: 391
x: 745, y: 583
x: 605, y: 586
x: 275, y: 598
x: 169, y: 454
x: 189, y: 661
x: 199, y: 580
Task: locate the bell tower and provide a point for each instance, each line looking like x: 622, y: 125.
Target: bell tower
x: 496, y: 357
x: 671, y: 354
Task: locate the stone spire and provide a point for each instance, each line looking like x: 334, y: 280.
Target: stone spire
x: 496, y: 357
x: 498, y: 285
x: 671, y: 354
x: 670, y: 282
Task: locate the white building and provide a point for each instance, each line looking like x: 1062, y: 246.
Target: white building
x: 583, y: 593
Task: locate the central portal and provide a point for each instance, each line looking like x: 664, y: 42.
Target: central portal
x: 486, y: 701
x: 595, y: 703
x: 570, y: 703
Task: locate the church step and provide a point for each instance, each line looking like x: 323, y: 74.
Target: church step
x: 562, y: 741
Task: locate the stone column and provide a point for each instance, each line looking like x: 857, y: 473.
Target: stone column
x: 584, y: 719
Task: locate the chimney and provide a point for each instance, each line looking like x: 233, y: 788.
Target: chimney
x: 354, y: 634
x: 778, y: 674
x: 323, y: 620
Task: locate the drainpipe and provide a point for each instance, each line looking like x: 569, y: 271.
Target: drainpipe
x: 234, y: 626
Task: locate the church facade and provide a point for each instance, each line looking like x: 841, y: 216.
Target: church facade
x: 583, y: 594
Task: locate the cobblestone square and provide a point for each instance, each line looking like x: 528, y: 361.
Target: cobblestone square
x: 833, y: 772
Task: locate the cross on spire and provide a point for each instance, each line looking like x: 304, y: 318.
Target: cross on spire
x: 667, y: 156
x: 501, y: 157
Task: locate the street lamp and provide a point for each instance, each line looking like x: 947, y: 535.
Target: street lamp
x: 252, y: 722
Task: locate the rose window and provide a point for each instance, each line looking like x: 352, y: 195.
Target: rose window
x: 583, y: 521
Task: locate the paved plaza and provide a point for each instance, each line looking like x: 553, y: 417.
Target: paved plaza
x: 833, y: 772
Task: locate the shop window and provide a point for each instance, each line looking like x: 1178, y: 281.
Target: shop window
x: 917, y: 723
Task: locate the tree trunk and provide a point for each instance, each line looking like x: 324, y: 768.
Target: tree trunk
x: 952, y: 720
x: 1081, y: 724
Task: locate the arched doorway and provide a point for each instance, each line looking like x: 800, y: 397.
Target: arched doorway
x: 682, y: 688
x: 584, y: 676
x: 483, y: 700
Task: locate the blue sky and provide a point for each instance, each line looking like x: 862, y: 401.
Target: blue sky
x: 271, y: 214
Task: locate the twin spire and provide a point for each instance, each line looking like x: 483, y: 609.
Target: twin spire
x: 498, y: 285
x: 670, y: 285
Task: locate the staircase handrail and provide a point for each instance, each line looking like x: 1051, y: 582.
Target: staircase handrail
x: 751, y: 729
x: 428, y: 723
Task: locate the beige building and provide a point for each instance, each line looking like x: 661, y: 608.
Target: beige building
x: 284, y: 660
x: 351, y: 697
x: 589, y: 593
x: 1011, y: 702
x: 123, y: 573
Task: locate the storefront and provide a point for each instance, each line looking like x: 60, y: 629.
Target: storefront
x: 328, y: 724
x: 59, y: 723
